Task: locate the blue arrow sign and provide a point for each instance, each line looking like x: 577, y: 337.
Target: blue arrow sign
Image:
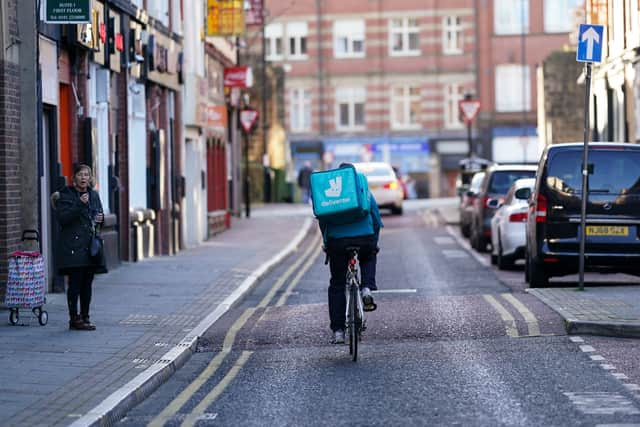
x: 590, y: 40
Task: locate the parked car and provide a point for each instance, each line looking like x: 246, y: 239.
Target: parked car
x: 466, y: 203
x: 508, y: 225
x: 495, y: 185
x: 384, y: 185
x: 612, y: 217
x: 467, y: 168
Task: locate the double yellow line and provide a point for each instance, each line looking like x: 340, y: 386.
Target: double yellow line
x: 309, y: 255
x: 509, y: 321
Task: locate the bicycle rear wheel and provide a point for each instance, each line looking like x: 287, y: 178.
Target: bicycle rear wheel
x: 354, y: 329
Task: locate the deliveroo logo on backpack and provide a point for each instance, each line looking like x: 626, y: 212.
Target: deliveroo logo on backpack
x: 335, y: 187
x: 334, y: 191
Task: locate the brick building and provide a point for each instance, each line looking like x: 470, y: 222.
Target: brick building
x: 10, y: 197
x: 514, y: 37
x: 376, y: 80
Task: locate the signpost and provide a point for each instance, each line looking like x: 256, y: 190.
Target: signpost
x: 469, y: 109
x: 590, y: 40
x: 248, y: 119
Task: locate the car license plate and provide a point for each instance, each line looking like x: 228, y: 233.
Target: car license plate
x: 607, y: 230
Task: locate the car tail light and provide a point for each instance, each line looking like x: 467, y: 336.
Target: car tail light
x: 541, y: 208
x: 391, y: 185
x: 485, y: 201
x: 518, y: 217
x: 551, y: 259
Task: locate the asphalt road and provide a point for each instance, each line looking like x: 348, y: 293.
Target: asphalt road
x: 450, y: 344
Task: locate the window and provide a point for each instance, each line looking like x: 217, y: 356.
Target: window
x: 404, y: 35
x: 176, y: 17
x: 451, y: 34
x: 297, y: 36
x: 405, y: 107
x: 348, y: 39
x: 558, y: 15
x: 350, y: 108
x: 159, y: 9
x: 513, y: 88
x: 511, y: 16
x: 453, y: 93
x: 273, y: 34
x: 300, y: 110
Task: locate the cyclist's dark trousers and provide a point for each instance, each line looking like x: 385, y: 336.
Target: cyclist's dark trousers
x: 338, y: 260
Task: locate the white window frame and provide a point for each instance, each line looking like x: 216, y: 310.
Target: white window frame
x: 509, y: 79
x: 405, y: 100
x: 272, y: 33
x: 452, y: 35
x: 297, y: 32
x: 159, y: 10
x: 507, y: 17
x: 351, y: 96
x: 300, y: 110
x: 351, y: 32
x: 405, y: 31
x: 452, y: 94
x: 557, y: 15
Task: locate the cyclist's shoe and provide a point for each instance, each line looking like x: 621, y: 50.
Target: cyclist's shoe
x: 367, y: 300
x: 338, y: 337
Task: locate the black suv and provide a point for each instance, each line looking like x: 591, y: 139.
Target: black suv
x: 495, y: 185
x: 612, y: 218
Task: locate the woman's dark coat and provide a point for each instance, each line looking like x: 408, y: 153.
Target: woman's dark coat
x: 77, y: 228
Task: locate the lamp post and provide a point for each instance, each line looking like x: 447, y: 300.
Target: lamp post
x: 248, y: 119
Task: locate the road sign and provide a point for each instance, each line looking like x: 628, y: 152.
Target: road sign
x: 469, y: 109
x: 248, y: 118
x: 590, y: 40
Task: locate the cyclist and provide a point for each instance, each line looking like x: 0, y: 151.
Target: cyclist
x: 363, y: 233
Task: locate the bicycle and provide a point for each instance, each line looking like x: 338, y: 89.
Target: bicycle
x: 355, y: 321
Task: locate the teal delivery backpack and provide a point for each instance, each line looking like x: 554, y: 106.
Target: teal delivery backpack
x: 340, y: 196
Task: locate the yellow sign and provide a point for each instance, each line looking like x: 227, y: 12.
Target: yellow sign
x: 225, y: 17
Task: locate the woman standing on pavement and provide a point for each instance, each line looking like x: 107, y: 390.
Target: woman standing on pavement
x: 79, y: 212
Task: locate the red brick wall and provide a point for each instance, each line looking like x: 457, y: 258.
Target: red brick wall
x: 9, y: 151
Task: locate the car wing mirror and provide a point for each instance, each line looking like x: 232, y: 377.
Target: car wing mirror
x: 523, y: 194
x: 493, y: 203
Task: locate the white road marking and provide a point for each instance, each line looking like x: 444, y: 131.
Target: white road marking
x: 529, y: 317
x: 395, y: 291
x: 632, y: 387
x: 608, y: 367
x: 454, y: 253
x: 507, y: 318
x: 597, y: 358
x: 481, y: 259
x: 576, y: 339
x: 587, y: 348
x: 440, y: 240
x: 620, y: 375
x: 595, y: 403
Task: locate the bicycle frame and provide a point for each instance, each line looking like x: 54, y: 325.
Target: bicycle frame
x: 356, y: 325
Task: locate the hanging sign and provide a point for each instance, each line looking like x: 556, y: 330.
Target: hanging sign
x: 67, y: 11
x: 225, y: 17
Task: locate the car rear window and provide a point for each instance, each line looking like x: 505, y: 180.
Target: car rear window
x: 614, y: 172
x: 370, y: 170
x: 501, y: 181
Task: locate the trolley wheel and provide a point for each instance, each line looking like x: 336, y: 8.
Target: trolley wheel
x: 43, y: 317
x: 14, y: 316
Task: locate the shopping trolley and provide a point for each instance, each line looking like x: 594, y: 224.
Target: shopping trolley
x: 26, y: 282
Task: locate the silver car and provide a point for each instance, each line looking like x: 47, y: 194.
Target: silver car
x: 384, y: 185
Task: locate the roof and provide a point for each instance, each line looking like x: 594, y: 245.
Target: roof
x: 514, y: 167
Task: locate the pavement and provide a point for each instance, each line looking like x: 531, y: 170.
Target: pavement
x: 607, y: 306
x: 149, y: 316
